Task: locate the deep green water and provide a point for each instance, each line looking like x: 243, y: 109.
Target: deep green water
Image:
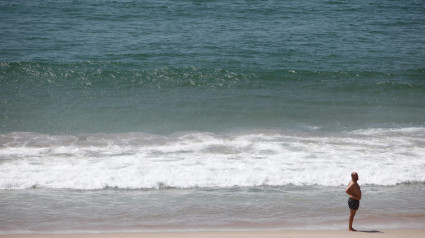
x: 116, y: 97
x: 168, y: 66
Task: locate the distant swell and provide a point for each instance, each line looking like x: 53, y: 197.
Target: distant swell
x: 201, y: 159
x: 124, y: 76
x: 114, y: 97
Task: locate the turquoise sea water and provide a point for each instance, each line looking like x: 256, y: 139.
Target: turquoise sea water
x: 250, y: 103
x: 166, y: 66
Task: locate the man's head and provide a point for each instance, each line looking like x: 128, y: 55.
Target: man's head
x: 354, y: 176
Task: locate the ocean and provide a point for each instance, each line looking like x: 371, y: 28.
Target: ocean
x: 125, y: 116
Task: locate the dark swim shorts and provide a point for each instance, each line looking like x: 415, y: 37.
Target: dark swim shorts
x: 353, y: 204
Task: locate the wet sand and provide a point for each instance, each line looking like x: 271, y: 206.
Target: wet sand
x: 237, y: 234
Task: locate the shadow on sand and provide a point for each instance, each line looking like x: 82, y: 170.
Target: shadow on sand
x: 372, y: 231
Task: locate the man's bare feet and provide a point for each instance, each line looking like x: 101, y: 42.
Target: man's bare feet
x: 352, y: 229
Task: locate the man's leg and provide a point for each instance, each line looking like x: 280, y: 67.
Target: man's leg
x: 350, y: 220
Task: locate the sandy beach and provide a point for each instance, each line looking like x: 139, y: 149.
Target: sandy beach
x: 237, y: 234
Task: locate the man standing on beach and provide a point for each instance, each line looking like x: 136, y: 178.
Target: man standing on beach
x: 355, y: 194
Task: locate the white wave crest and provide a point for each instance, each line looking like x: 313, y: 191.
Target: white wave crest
x: 186, y: 160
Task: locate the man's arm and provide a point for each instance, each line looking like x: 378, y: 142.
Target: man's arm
x: 351, y: 191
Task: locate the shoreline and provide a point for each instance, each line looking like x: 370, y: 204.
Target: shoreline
x: 412, y: 233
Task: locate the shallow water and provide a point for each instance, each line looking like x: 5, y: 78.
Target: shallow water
x: 284, y: 207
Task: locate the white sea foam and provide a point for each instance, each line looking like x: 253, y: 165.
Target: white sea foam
x: 185, y: 160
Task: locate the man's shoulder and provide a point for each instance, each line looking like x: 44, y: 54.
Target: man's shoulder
x: 356, y: 186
